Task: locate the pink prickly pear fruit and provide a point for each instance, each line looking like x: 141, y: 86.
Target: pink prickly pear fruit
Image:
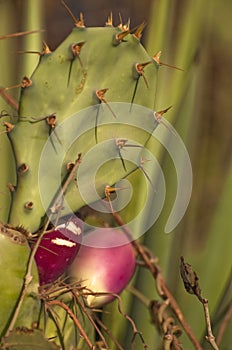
x: 105, y: 263
x: 58, y: 249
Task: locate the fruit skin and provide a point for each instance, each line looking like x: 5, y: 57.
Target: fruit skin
x: 57, y: 250
x: 105, y: 263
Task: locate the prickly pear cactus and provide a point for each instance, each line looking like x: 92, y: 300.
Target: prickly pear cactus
x: 71, y: 143
x: 80, y: 95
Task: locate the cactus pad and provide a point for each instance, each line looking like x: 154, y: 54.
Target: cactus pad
x: 82, y: 97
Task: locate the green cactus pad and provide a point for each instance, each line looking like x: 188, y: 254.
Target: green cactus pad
x: 8, y: 176
x: 84, y: 78
x: 14, y: 255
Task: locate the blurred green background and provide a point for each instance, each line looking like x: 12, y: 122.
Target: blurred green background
x: 195, y: 36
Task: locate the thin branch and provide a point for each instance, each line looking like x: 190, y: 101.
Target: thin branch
x: 66, y: 184
x: 162, y: 288
x: 120, y: 309
x: 107, y: 331
x: 134, y: 328
x: 74, y: 319
x: 91, y: 319
x: 191, y: 283
x: 209, y: 337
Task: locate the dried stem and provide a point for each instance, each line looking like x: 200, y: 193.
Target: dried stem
x: 166, y: 324
x: 134, y: 328
x: 210, y: 337
x: 75, y: 320
x: 65, y: 186
x: 107, y: 331
x: 127, y: 317
x: 91, y: 319
x: 192, y: 286
x: 162, y: 288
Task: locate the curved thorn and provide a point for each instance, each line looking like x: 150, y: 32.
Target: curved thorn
x: 158, y: 115
x: 101, y: 96
x: 77, y: 22
x: 120, y: 26
x: 109, y: 21
x: 96, y: 123
x: 46, y: 49
x: 134, y: 92
x: 139, y: 31
x: 140, y: 166
x: 26, y: 82
x: 30, y: 52
x: 156, y: 58
x: 140, y: 70
x: 81, y: 22
x: 120, y: 36
x: 76, y: 50
x: 21, y: 34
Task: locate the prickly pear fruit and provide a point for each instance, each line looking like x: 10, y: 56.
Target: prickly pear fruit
x: 57, y: 249
x: 105, y: 263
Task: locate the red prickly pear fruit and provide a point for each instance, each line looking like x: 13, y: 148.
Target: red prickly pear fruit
x: 58, y: 249
x: 105, y: 263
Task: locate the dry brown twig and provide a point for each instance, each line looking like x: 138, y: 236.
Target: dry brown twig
x: 191, y: 283
x: 162, y: 289
x: 50, y: 295
x: 90, y: 315
x: 165, y: 324
x: 107, y: 331
x: 74, y: 319
x: 136, y: 332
